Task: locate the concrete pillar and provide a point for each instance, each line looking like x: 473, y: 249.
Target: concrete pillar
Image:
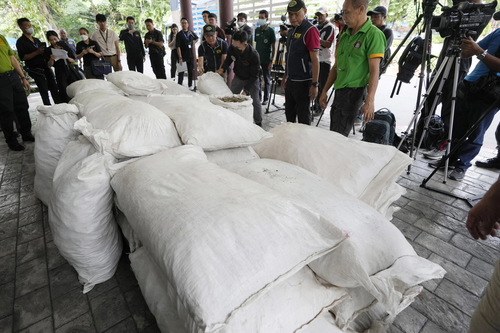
x: 187, y: 12
x: 226, y: 14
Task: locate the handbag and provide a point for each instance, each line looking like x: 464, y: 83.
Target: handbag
x: 101, y: 67
x: 487, y: 87
x: 74, y: 73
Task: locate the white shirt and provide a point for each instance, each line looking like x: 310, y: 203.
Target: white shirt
x: 106, y: 41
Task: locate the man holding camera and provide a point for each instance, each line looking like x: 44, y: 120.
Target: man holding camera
x: 133, y: 44
x: 153, y: 40
x: 302, y: 65
x: 31, y: 50
x: 359, y: 53
x: 246, y: 71
x: 473, y: 100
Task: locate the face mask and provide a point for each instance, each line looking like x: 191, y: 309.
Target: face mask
x: 261, y: 21
x: 240, y: 24
x: 30, y: 31
x: 131, y: 26
x: 84, y: 37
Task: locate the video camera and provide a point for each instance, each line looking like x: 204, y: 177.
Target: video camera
x: 230, y: 27
x: 283, y: 19
x: 463, y: 20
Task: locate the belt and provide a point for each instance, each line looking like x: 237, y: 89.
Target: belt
x: 109, y: 55
x: 9, y: 73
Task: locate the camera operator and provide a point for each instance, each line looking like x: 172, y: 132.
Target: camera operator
x: 31, y: 51
x: 473, y: 100
x: 378, y: 17
x: 359, y: 53
x: 246, y: 71
x: 300, y: 80
x: 327, y: 35
x: 243, y: 26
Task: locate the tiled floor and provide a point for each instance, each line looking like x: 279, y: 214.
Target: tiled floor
x: 40, y: 291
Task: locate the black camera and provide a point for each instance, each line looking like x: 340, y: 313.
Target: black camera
x: 463, y: 20
x: 283, y: 19
x: 43, y: 44
x: 61, y: 43
x: 230, y: 27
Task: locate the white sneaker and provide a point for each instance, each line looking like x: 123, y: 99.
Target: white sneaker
x: 434, y: 154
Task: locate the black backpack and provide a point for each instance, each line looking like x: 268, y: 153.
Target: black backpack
x: 410, y: 59
x: 435, y: 134
x: 382, y: 129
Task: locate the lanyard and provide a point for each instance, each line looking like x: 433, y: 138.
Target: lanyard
x: 105, y: 40
x: 186, y: 35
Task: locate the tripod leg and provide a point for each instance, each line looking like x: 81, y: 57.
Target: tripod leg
x: 394, y: 88
x: 323, y: 110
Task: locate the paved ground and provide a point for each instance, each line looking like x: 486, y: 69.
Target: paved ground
x: 40, y: 291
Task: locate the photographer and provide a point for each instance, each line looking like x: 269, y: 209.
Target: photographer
x: 30, y: 50
x: 153, y: 40
x: 246, y: 71
x: 89, y: 50
x: 473, y: 100
x: 136, y: 56
x: 243, y: 26
x: 359, y: 53
x: 185, y: 40
x: 302, y: 65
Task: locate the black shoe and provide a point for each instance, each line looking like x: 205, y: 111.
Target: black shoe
x: 265, y: 102
x: 434, y: 165
x: 16, y: 146
x: 489, y: 163
x: 28, y: 138
x: 457, y: 174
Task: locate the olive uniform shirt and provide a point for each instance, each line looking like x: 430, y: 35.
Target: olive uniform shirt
x: 5, y: 53
x: 264, y: 39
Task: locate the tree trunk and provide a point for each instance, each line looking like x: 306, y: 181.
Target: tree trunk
x: 49, y: 20
x: 385, y: 3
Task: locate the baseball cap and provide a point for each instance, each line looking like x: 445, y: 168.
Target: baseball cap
x: 209, y: 29
x: 295, y: 6
x: 378, y: 10
x: 496, y: 16
x: 322, y: 10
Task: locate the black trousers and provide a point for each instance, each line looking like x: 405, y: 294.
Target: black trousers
x: 13, y: 103
x: 158, y: 65
x: 266, y: 77
x: 297, y: 101
x: 324, y: 71
x: 62, y: 83
x: 135, y: 63
x: 45, y: 81
x: 173, y: 63
x: 345, y: 109
x: 190, y: 73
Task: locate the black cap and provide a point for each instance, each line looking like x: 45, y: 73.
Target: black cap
x: 378, y: 10
x: 209, y: 29
x: 295, y: 6
x: 496, y: 16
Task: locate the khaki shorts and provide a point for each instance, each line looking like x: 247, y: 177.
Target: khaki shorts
x: 114, y: 61
x: 486, y: 318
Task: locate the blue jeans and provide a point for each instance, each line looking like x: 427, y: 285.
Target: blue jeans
x: 467, y: 111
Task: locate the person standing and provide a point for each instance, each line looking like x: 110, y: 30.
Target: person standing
x: 204, y: 15
x: 212, y: 51
x: 174, y: 30
x: 70, y: 42
x: 246, y: 71
x: 153, y: 40
x: 88, y: 50
x: 212, y: 19
x: 327, y: 35
x: 30, y: 50
x: 378, y: 17
x: 184, y: 42
x: 13, y: 100
x: 359, y: 53
x: 133, y: 45
x: 108, y: 42
x: 243, y: 26
x: 60, y: 65
x: 265, y: 39
x: 300, y: 80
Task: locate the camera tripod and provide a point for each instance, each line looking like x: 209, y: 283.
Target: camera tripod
x: 277, y: 72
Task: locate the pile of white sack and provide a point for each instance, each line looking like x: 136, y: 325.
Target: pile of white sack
x: 230, y: 228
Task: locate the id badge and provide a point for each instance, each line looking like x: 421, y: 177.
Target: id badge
x: 189, y: 46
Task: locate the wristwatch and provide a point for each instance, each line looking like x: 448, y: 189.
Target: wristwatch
x: 315, y: 84
x: 482, y: 55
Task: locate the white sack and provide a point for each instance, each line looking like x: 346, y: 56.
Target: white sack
x: 82, y: 86
x: 133, y: 241
x: 211, y: 83
x: 54, y: 129
x: 134, y: 128
x: 80, y: 213
x: 365, y: 170
x: 285, y: 308
x: 168, y: 87
x: 374, y: 244
x: 133, y: 83
x: 232, y: 155
x: 243, y: 109
x: 221, y: 240
x: 323, y: 323
x: 203, y: 124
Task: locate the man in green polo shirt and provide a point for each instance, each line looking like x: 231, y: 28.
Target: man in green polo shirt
x: 360, y: 50
x: 265, y: 38
x: 13, y: 101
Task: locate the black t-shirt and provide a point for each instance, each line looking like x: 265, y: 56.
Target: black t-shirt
x: 184, y: 41
x: 133, y: 43
x: 89, y: 57
x: 59, y: 64
x: 156, y: 36
x: 26, y: 46
x: 246, y: 64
